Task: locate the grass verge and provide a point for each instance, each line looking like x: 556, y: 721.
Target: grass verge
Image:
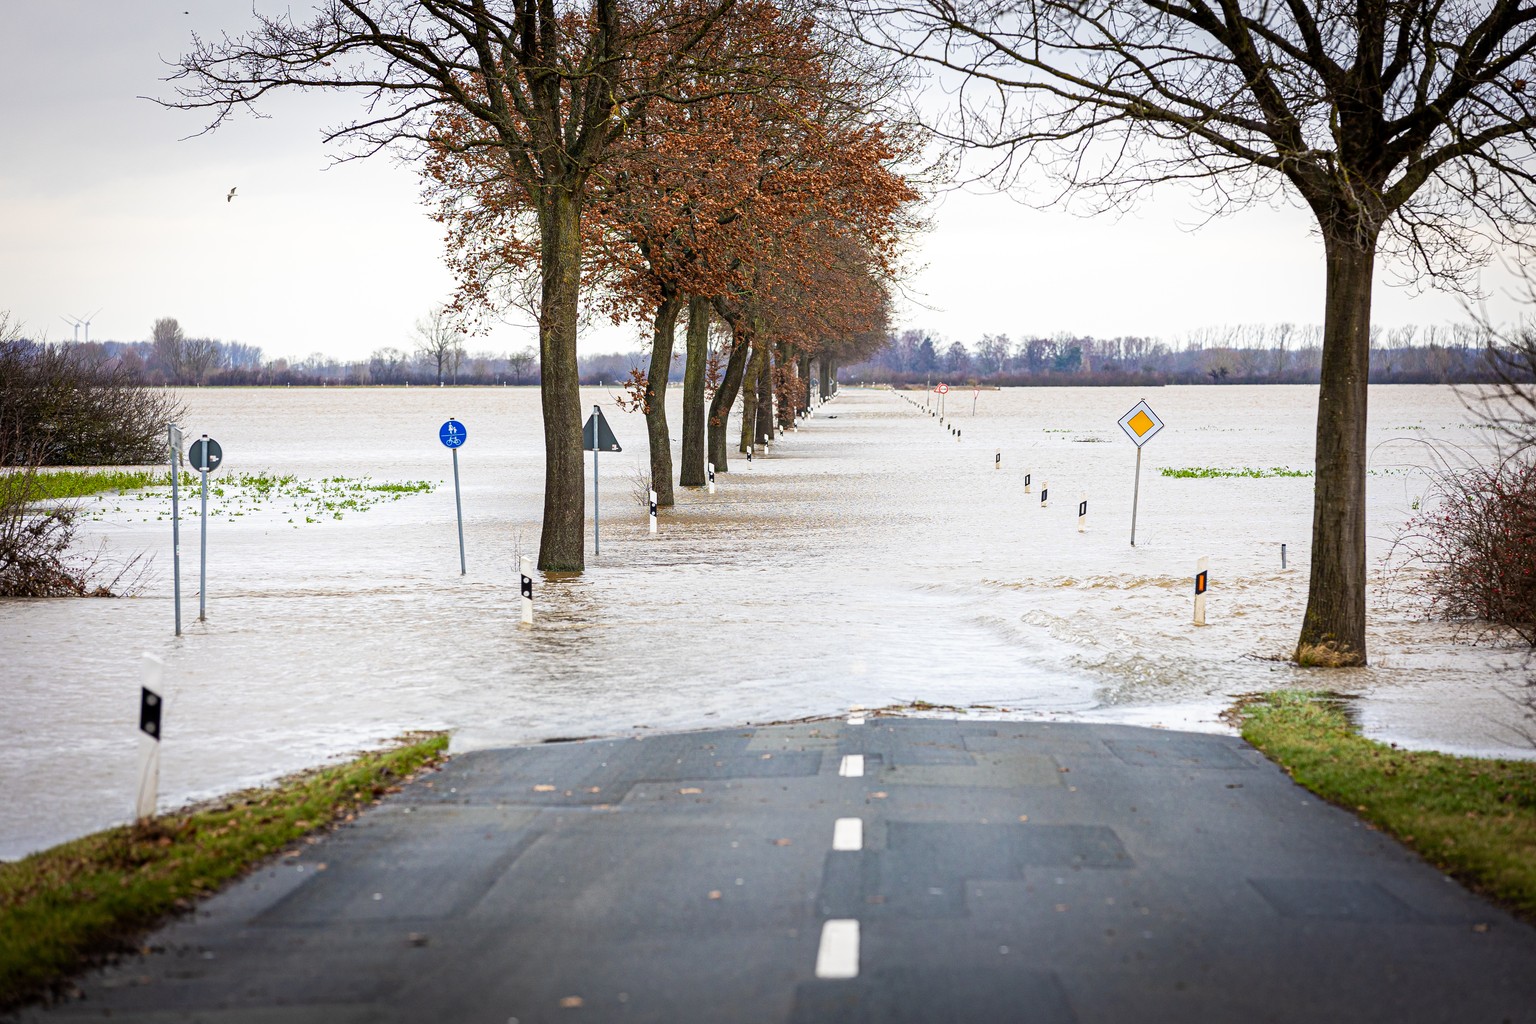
x: 1473, y: 818
x: 65, y: 908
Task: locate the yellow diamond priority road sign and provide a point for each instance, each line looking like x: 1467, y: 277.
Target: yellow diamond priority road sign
x: 1141, y: 423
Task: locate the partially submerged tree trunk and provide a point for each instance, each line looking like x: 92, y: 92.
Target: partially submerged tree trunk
x: 691, y: 473
x: 561, y: 540
x: 765, y: 400
x: 725, y: 397
x: 656, y: 397
x: 750, y: 391
x: 1333, y: 628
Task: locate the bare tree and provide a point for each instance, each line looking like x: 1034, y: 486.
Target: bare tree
x: 538, y: 89
x: 169, y: 342
x: 1405, y: 126
x: 199, y: 358
x: 440, y: 342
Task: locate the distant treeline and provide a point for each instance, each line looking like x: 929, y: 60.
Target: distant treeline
x: 1241, y: 354
x: 205, y: 362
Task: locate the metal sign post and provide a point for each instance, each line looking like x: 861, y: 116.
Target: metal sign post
x: 173, y: 434
x: 597, y: 436
x: 453, y: 435
x: 1140, y: 424
x: 205, y: 456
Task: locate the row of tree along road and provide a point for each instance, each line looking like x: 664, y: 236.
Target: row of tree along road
x: 738, y: 160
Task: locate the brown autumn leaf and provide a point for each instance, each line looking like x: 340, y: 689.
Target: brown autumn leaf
x: 714, y: 894
x: 782, y: 842
x: 686, y: 790
x: 572, y: 1002
x: 541, y: 788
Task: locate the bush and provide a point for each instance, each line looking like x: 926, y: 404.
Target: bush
x: 59, y: 406
x: 1477, y: 537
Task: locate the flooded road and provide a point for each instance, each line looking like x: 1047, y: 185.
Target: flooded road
x: 870, y: 558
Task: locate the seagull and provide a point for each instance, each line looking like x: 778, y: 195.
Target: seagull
x: 231, y: 197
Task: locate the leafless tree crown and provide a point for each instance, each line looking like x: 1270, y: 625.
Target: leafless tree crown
x: 1411, y: 117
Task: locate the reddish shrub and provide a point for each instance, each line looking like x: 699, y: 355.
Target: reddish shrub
x: 1477, y: 537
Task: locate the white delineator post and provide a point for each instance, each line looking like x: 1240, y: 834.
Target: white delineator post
x: 1045, y: 494
x: 652, y: 493
x: 150, y: 707
x: 997, y: 460
x: 1202, y: 577
x: 711, y: 467
x: 526, y: 568
x: 1082, y: 512
x: 1026, y: 483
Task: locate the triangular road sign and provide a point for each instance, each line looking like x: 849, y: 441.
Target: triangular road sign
x: 596, y: 435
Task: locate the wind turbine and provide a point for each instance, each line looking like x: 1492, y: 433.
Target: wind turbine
x: 78, y: 322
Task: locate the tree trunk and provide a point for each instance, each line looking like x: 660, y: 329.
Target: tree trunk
x: 822, y: 387
x: 1333, y: 628
x: 656, y: 397
x: 560, y: 542
x: 765, y: 400
x: 692, y: 470
x: 750, y: 391
x: 725, y: 397
x: 805, y: 380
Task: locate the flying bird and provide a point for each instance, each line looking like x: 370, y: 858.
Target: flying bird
x: 231, y: 197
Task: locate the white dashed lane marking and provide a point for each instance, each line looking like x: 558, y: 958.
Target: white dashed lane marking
x: 852, y: 766
x: 838, y: 956
x: 848, y: 834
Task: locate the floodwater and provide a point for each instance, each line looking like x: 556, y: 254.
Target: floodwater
x: 870, y: 558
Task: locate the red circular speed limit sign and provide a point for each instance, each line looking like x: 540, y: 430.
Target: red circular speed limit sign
x: 942, y: 389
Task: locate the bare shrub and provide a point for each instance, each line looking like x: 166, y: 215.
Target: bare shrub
x: 73, y: 408
x: 1476, y: 536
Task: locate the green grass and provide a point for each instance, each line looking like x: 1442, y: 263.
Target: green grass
x: 1473, y: 818
x: 1208, y: 472
x: 63, y: 908
x: 232, y: 494
x: 56, y: 484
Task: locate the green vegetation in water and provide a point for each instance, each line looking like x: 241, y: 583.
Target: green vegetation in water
x: 1473, y: 818
x: 1207, y: 472
x: 57, y: 484
x: 234, y: 495
x: 62, y: 909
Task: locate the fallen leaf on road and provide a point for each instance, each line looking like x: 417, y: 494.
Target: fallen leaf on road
x: 1480, y: 927
x: 782, y: 842
x: 1023, y: 817
x: 690, y: 789
x: 878, y: 796
x: 571, y: 1002
x: 543, y: 789
x: 714, y: 894
x: 594, y: 789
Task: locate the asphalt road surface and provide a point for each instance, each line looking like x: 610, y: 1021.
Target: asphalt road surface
x: 887, y: 870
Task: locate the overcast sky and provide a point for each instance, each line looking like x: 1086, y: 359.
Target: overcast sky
x: 106, y: 204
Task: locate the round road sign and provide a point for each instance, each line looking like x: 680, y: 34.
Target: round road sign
x: 942, y: 389
x: 453, y: 434
x: 205, y: 455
